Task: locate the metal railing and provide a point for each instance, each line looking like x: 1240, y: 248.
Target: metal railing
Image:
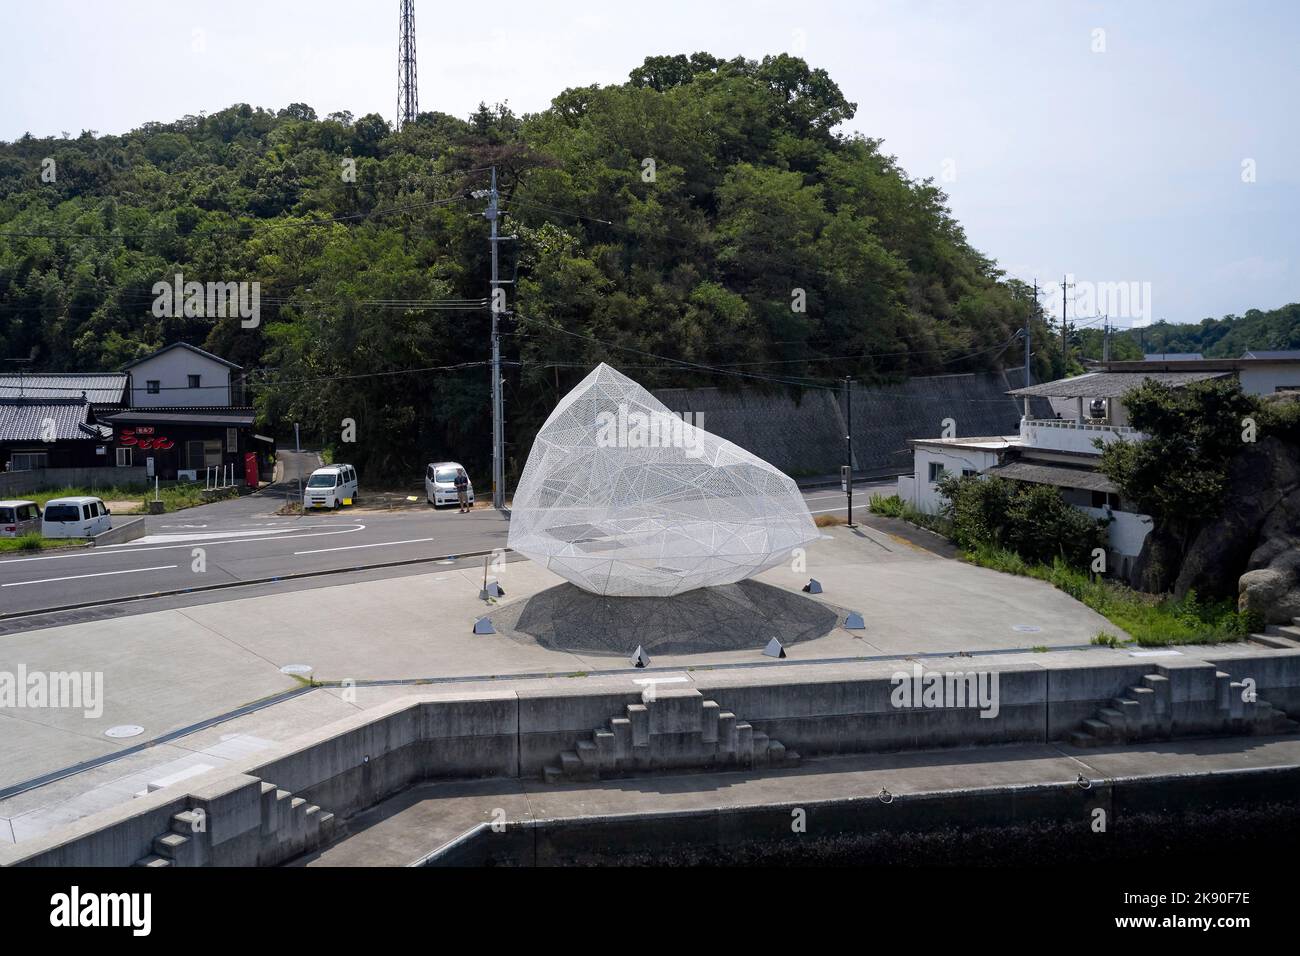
x: 1079, y: 426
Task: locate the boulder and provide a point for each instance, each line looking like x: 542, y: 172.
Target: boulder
x: 1273, y: 592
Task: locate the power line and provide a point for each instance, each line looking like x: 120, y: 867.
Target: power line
x: 262, y: 223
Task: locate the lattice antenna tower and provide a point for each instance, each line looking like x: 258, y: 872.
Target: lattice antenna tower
x: 408, y: 97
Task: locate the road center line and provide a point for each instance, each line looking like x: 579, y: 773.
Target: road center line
x: 353, y: 547
x: 126, y: 547
x: 97, y: 574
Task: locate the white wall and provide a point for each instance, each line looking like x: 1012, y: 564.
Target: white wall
x: 172, y: 370
x: 1072, y: 436
x: 1264, y: 378
x: 923, y: 493
x: 1127, y: 532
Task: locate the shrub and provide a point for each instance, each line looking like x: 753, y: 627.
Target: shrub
x: 1032, y: 521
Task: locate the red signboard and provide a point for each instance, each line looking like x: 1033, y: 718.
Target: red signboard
x: 143, y: 437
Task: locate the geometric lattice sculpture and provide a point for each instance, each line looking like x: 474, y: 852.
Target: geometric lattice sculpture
x: 622, y: 497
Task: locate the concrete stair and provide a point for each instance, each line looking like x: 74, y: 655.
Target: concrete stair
x: 1147, y: 711
x: 671, y: 729
x: 181, y: 845
x: 289, y: 823
x: 1283, y: 636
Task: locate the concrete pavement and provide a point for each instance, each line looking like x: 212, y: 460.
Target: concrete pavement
x: 168, y: 670
x: 242, y: 540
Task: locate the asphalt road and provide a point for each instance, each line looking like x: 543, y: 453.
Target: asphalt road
x: 242, y: 540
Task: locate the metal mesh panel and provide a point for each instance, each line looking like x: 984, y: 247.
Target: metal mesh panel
x: 622, y: 497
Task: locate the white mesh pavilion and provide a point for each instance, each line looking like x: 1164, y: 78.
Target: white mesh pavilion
x: 622, y: 497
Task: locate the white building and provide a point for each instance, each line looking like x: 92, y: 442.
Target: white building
x: 183, y: 376
x: 1057, y: 451
x: 1061, y: 451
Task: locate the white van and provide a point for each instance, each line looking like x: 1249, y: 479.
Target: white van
x: 75, y: 518
x: 330, y: 486
x: 440, y: 483
x: 18, y: 518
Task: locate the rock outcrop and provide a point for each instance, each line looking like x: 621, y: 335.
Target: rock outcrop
x: 1250, y: 550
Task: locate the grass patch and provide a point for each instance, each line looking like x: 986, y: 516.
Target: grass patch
x: 175, y: 496
x: 1152, y: 620
x: 892, y: 506
x: 32, y: 541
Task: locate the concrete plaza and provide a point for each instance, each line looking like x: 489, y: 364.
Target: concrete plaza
x: 171, y: 670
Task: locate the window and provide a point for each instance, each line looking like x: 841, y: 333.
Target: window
x: 28, y: 513
x: 153, y: 386
x: 124, y: 459
x: 87, y: 512
x: 936, y: 471
x: 320, y: 480
x: 212, y: 451
x: 969, y: 472
x: 7, y: 516
x: 61, y: 513
x: 232, y: 439
x: 28, y: 460
x: 194, y: 381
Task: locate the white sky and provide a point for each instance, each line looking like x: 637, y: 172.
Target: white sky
x: 1122, y: 165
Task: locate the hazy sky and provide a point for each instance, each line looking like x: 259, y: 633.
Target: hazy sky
x: 1104, y: 140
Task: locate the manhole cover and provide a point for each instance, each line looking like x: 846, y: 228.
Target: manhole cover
x: 296, y: 669
x: 124, y: 730
x: 1026, y: 628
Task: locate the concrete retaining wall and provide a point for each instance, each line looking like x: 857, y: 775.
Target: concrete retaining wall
x: 650, y: 838
x: 356, y: 762
x: 39, y: 479
x: 129, y: 530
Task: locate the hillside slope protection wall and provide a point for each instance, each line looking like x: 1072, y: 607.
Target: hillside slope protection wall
x: 803, y: 434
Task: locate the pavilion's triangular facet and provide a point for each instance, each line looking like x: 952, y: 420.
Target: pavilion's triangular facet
x: 623, y: 497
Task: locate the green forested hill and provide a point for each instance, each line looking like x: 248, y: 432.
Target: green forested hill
x: 1228, y: 337
x: 678, y: 216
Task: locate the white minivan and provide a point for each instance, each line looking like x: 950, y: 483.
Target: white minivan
x: 18, y: 518
x: 80, y: 517
x: 330, y: 486
x: 440, y: 483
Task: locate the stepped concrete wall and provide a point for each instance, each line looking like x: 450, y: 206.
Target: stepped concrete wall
x: 825, y: 709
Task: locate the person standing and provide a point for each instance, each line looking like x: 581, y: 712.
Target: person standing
x: 462, y: 489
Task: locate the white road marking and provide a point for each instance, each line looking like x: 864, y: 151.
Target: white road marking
x: 97, y: 574
x: 125, y: 548
x: 353, y: 547
x: 201, y: 536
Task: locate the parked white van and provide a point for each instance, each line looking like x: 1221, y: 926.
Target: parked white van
x: 18, y: 518
x: 80, y: 517
x: 330, y: 486
x: 440, y: 483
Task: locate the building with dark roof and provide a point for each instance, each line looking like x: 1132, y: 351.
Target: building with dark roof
x: 176, y: 413
x: 103, y: 390
x: 52, y: 433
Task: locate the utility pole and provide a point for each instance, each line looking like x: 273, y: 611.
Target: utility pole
x: 498, y: 307
x: 1065, y: 339
x: 1105, y: 338
x: 1029, y: 324
x: 848, y: 445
